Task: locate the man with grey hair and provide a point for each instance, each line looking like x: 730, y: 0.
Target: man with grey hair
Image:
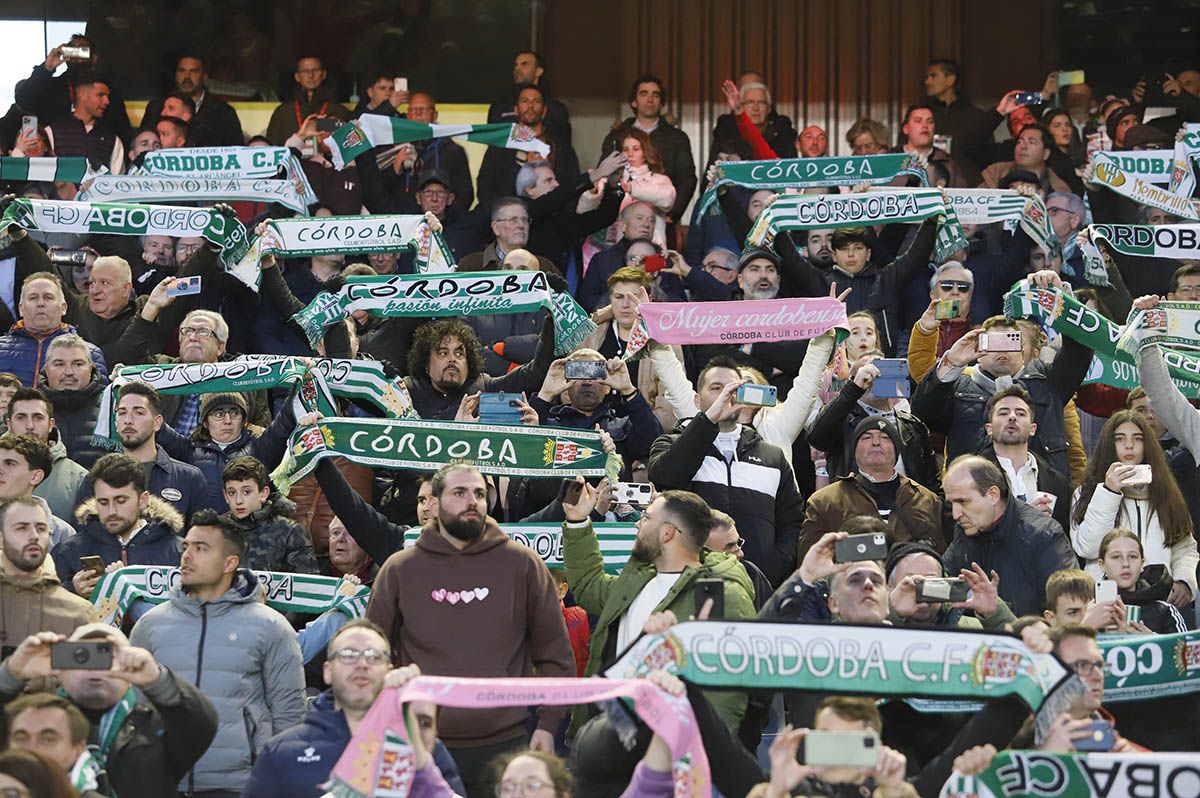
x: 109, y: 315
x: 949, y: 283
x: 510, y: 226
x: 203, y: 335
x: 42, y: 306
x: 637, y: 223
x: 777, y: 130
x: 1067, y: 217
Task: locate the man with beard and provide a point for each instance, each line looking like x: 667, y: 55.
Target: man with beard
x: 138, y: 418
x: 498, y: 173
x: 215, y: 632
x: 214, y: 118
x: 294, y: 763
x: 25, y: 462
x: 467, y: 601
x: 121, y: 524
x: 818, y: 245
x: 33, y: 600
x: 1031, y: 479
x: 668, y: 556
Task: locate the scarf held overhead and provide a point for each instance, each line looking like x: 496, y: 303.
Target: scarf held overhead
x: 45, y: 170
x: 811, y: 173
x: 873, y: 660
x: 379, y: 759
x: 512, y: 451
x: 155, y: 189
x: 375, y: 130
x: 457, y: 294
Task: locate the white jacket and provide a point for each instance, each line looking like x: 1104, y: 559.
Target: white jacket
x: 1107, y: 511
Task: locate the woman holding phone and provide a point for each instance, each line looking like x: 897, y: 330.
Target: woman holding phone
x: 1140, y: 586
x: 1128, y: 484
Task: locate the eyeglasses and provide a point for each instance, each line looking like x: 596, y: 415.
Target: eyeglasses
x: 709, y: 266
x: 434, y: 193
x: 197, y: 332
x: 1086, y: 667
x: 352, y: 656
x: 1053, y: 209
x: 737, y: 545
x: 231, y: 413
x: 530, y: 786
x: 514, y: 220
x: 952, y: 285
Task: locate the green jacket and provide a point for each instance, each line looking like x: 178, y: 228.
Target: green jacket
x: 608, y: 596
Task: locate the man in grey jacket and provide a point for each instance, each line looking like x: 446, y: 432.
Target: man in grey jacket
x: 242, y: 655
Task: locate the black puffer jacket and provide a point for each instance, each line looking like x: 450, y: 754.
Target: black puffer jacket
x: 758, y: 488
x: 75, y: 414
x: 1024, y: 548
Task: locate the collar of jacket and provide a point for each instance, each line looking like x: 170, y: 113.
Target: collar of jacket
x: 161, y: 518
x: 244, y: 590
x: 431, y: 540
x: 20, y: 329
x: 73, y: 400
x: 276, y: 506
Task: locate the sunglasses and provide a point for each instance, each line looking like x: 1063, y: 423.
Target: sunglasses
x: 950, y: 285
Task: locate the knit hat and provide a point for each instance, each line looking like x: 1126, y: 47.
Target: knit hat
x: 899, y: 551
x: 880, y: 423
x: 1147, y: 137
x: 214, y: 400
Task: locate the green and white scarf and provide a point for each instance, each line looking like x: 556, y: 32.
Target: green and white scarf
x: 457, y: 294
x: 311, y: 594
x: 1110, y: 175
x: 803, y: 212
x: 501, y: 450
x: 375, y: 130
x: 86, y: 772
x: 811, y: 173
x: 154, y: 189
x: 1152, y: 166
x: 1039, y: 774
x: 1175, y: 324
x: 47, y: 170
x: 1150, y: 666
x: 357, y: 379
x: 238, y: 170
x: 616, y: 542
x: 225, y: 376
x: 1072, y: 318
x: 1187, y: 152
x: 989, y: 205
x: 56, y: 216
x: 1178, y: 241
x: 872, y: 660
x: 325, y: 235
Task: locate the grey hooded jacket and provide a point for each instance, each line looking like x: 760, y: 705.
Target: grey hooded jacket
x: 245, y: 658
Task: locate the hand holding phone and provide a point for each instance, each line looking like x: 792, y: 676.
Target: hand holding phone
x: 1000, y: 341
x: 585, y: 370
x: 185, y: 286
x: 858, y: 548
x: 757, y: 395
x: 841, y: 749
x: 92, y: 564
x: 942, y: 591
x: 81, y: 655
x: 654, y: 263
x: 1106, y: 590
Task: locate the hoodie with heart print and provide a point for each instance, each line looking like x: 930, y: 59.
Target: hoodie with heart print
x: 489, y: 609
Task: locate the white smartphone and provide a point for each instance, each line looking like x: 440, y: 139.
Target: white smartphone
x: 1106, y: 590
x: 401, y: 84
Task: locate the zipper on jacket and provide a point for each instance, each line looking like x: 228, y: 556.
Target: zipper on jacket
x: 199, y: 673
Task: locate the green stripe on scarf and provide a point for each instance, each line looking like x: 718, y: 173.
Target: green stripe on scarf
x: 990, y: 205
x: 56, y: 216
x: 903, y: 206
x: 1072, y: 318
x: 1042, y: 774
x: 457, y: 294
x: 513, y: 451
x: 375, y: 130
x: 287, y: 592
x: 811, y: 173
x: 872, y: 660
x: 1170, y: 324
x: 616, y: 542
x: 323, y: 235
x: 45, y: 170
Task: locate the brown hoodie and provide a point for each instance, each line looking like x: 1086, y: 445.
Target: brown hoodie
x: 38, y: 603
x: 488, y: 610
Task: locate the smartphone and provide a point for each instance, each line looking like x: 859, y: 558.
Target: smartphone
x: 757, y: 395
x: 941, y: 591
x: 1049, y: 498
x: 1141, y: 475
x: 638, y: 494
x: 858, y: 548
x: 947, y: 309
x: 1028, y: 98
x: 500, y: 408
x: 585, y: 369
x: 68, y: 257
x: 29, y: 125
x: 654, y: 263
x: 328, y: 124
x: 892, y: 382
x: 1106, y: 590
x: 76, y: 53
x: 1071, y: 77
x: 570, y: 491
x: 93, y: 564
x: 714, y: 589
x: 842, y: 749
x: 81, y: 655
x: 401, y: 84
x: 943, y: 141
x: 185, y: 286
x: 1000, y: 342
x: 1099, y: 739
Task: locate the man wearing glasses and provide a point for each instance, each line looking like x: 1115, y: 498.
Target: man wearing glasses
x: 215, y: 632
x: 294, y: 763
x: 724, y: 537
x: 510, y: 226
x: 1067, y: 214
x: 312, y: 97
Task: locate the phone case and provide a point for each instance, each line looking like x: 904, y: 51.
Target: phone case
x: 841, y: 749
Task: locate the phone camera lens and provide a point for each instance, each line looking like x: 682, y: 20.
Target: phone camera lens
x: 81, y: 655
